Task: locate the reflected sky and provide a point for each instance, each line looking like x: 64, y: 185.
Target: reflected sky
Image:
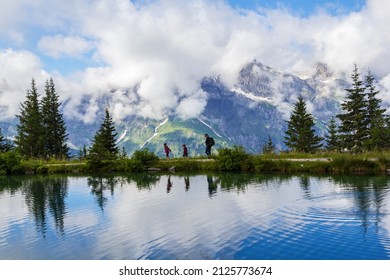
x: 225, y: 216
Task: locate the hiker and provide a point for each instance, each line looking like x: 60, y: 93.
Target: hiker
x: 185, y: 150
x: 209, y: 143
x: 166, y: 150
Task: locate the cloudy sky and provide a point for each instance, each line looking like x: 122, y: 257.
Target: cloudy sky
x: 148, y: 56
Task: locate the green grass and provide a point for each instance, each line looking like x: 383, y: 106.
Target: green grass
x: 234, y: 159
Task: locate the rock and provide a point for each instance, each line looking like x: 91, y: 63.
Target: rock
x: 154, y: 169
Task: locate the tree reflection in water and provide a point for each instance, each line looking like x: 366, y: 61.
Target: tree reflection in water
x: 368, y: 192
x: 44, y: 194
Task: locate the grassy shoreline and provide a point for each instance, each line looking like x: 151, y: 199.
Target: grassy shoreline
x: 285, y: 163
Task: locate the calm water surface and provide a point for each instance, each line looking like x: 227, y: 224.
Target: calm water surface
x: 229, y: 216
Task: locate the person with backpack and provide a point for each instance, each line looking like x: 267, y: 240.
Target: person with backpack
x: 209, y: 143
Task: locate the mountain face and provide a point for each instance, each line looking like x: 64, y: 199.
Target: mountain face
x: 256, y: 107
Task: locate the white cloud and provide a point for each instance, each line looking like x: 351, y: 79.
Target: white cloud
x: 190, y: 106
x: 152, y: 57
x: 16, y: 71
x: 60, y: 46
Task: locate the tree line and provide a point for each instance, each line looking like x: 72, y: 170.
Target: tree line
x: 362, y: 125
x: 42, y: 133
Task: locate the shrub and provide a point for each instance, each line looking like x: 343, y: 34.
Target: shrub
x: 235, y: 159
x: 142, y: 159
x: 10, y: 162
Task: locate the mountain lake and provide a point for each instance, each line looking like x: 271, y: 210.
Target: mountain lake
x: 225, y: 216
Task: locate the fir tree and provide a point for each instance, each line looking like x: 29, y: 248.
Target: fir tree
x: 332, y: 139
x: 54, y: 124
x: 104, y: 145
x: 386, y: 133
x: 5, y: 144
x: 2, y: 142
x: 353, y: 128
x: 375, y: 115
x: 29, y: 138
x: 83, y: 153
x: 300, y: 134
x: 269, y: 147
x: 124, y: 153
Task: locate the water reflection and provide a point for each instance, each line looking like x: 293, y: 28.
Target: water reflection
x: 187, y: 182
x: 155, y: 216
x: 143, y: 180
x: 305, y: 185
x: 99, y: 185
x: 169, y: 184
x: 44, y: 196
x: 369, y: 193
x: 212, y: 185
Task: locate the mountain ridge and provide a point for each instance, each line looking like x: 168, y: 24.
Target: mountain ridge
x: 255, y: 108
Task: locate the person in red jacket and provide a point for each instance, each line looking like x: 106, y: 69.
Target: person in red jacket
x: 185, y: 150
x: 166, y: 150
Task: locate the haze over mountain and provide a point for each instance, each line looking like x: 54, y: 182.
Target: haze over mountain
x: 244, y: 114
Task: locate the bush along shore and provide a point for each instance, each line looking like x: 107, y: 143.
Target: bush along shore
x: 227, y: 160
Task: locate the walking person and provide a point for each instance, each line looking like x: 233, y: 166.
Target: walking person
x: 166, y: 150
x: 185, y: 150
x: 209, y: 143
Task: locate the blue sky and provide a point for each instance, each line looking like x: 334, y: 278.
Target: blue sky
x: 165, y: 47
x: 302, y: 7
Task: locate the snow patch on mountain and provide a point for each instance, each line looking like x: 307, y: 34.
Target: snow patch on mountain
x: 251, y: 96
x: 121, y: 136
x: 209, y: 126
x: 155, y: 133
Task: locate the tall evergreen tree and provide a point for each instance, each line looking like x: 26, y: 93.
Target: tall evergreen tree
x: 353, y: 128
x: 55, y: 135
x: 386, y: 133
x: 5, y: 144
x: 104, y: 145
x: 332, y: 139
x: 2, y: 142
x: 29, y: 138
x: 300, y: 134
x: 375, y: 115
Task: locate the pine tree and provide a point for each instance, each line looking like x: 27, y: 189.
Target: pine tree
x: 375, y: 115
x: 353, y: 128
x: 269, y: 147
x: 300, y: 134
x: 124, y: 153
x: 29, y: 138
x: 332, y: 139
x: 54, y: 124
x: 2, y: 142
x: 5, y: 144
x: 386, y: 133
x: 104, y: 145
x: 83, y: 153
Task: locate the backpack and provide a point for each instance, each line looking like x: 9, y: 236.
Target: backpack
x: 212, y: 142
